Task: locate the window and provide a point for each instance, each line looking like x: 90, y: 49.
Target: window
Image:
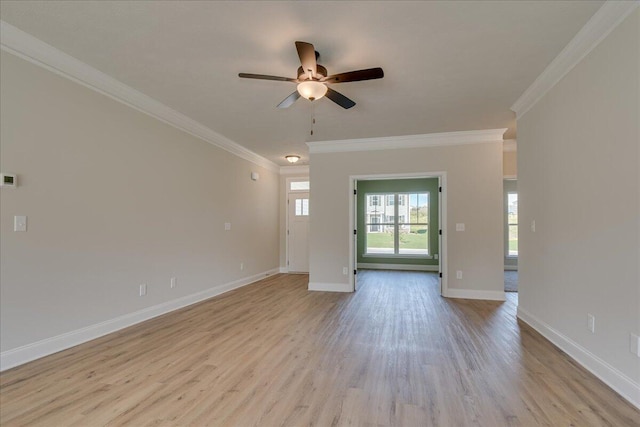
x: 302, y: 207
x: 299, y: 186
x: 512, y: 224
x: 405, y: 230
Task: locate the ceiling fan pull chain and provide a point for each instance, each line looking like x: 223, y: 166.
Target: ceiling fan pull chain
x: 313, y: 117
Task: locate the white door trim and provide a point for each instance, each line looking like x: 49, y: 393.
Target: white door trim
x: 443, y: 219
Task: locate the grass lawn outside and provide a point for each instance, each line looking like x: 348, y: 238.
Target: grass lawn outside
x: 407, y: 240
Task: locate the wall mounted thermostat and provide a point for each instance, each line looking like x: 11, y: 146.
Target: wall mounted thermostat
x: 255, y: 176
x: 8, y: 180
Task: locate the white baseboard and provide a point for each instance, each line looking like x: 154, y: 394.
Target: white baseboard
x: 284, y: 270
x: 330, y: 287
x: 511, y: 268
x: 475, y: 294
x: 405, y: 267
x: 618, y: 381
x: 27, y: 353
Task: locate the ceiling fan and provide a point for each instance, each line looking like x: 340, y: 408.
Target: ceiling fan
x: 313, y: 79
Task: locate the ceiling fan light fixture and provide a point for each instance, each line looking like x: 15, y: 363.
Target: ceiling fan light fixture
x: 292, y: 158
x: 312, y: 90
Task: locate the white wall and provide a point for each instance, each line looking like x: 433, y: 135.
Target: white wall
x: 474, y: 197
x: 578, y: 163
x: 510, y: 164
x: 115, y: 198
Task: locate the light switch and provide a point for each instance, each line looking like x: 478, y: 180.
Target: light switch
x: 227, y: 226
x: 460, y: 226
x: 19, y: 223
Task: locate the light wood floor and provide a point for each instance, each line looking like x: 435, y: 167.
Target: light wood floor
x: 392, y: 354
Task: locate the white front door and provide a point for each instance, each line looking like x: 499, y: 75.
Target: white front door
x: 298, y: 233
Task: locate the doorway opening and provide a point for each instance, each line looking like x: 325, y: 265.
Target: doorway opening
x: 397, y: 221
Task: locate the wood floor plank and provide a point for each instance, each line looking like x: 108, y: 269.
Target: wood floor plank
x: 394, y: 353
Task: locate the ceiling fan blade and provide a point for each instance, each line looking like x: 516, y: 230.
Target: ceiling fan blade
x: 265, y: 77
x: 339, y: 99
x: 354, y: 76
x: 289, y: 100
x: 307, y: 54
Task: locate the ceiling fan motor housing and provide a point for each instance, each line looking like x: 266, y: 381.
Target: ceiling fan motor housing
x: 320, y: 73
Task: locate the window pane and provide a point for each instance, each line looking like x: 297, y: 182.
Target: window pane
x: 418, y: 208
x: 372, y: 206
x: 299, y: 185
x: 513, y: 240
x: 512, y: 221
x: 302, y: 207
x: 380, y: 241
x: 414, y: 240
x: 512, y: 208
x: 423, y: 208
x: 414, y: 234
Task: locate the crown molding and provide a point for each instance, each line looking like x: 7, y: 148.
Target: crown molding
x: 294, y: 170
x: 31, y: 49
x: 608, y: 17
x: 509, y: 145
x: 408, y: 141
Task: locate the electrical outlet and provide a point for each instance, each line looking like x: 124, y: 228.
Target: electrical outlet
x: 143, y: 289
x: 634, y: 344
x: 591, y: 323
x: 345, y: 270
x: 459, y: 274
x: 174, y: 282
x: 533, y: 226
x: 227, y: 226
x: 241, y: 266
x: 460, y: 226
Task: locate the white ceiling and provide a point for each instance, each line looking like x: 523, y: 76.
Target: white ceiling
x: 449, y: 66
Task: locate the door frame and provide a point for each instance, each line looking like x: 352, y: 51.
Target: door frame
x: 353, y: 223
x: 288, y: 191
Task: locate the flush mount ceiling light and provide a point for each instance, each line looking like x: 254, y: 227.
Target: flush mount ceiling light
x: 292, y: 158
x: 312, y: 89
